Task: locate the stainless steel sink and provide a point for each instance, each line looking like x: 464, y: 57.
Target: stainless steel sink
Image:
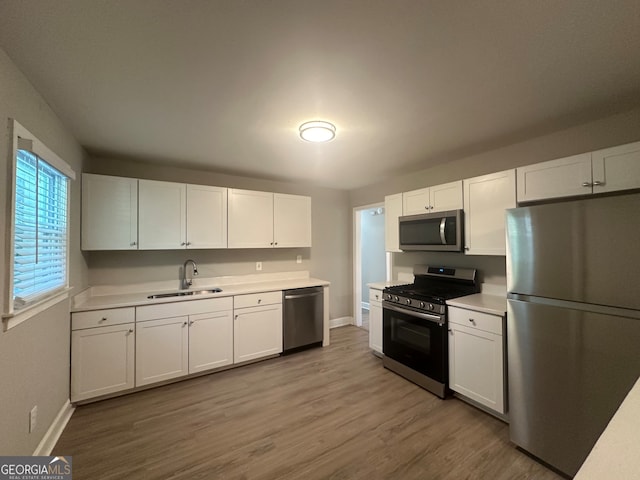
x: 185, y: 293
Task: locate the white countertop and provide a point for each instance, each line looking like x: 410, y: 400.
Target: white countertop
x: 481, y: 302
x: 616, y: 454
x: 96, y: 298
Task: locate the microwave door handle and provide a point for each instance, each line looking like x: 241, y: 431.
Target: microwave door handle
x: 443, y: 225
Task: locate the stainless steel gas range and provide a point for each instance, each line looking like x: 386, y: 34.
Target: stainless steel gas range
x: 414, y: 322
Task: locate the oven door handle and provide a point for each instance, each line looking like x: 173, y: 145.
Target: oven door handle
x: 425, y: 316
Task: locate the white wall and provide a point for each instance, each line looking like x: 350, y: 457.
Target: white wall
x: 373, y: 259
x: 34, y: 356
x: 329, y: 257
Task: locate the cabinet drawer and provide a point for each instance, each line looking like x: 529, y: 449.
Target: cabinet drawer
x: 102, y: 318
x: 473, y: 319
x: 189, y: 307
x: 375, y: 296
x: 257, y: 299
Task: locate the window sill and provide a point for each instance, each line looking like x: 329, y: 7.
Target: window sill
x: 14, y: 319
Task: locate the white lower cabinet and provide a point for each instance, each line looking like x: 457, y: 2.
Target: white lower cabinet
x: 375, y: 320
x: 162, y: 350
x: 476, y: 357
x: 257, y: 329
x: 102, y: 360
x: 210, y: 341
x: 176, y: 339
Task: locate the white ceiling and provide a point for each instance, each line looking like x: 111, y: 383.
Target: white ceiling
x: 224, y: 85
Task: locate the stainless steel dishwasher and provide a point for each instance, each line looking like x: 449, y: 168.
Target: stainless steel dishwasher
x: 303, y: 316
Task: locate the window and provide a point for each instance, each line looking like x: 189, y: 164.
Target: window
x: 40, y: 223
x: 40, y: 230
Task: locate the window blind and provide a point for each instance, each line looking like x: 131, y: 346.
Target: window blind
x: 40, y: 238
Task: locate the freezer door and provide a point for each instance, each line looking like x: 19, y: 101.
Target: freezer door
x: 568, y: 371
x: 583, y: 251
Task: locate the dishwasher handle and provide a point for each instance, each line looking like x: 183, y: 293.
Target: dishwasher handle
x: 303, y: 295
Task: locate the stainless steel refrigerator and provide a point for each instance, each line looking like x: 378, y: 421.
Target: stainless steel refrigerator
x: 573, y: 322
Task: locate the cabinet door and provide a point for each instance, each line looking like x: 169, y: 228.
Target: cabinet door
x: 250, y: 219
x: 563, y: 177
x: 102, y: 361
x: 375, y: 320
x: 616, y: 168
x: 162, y: 215
x: 291, y: 220
x: 210, y: 341
x: 415, y: 202
x: 476, y: 365
x: 109, y: 212
x: 206, y: 217
x: 447, y: 196
x: 257, y: 332
x: 161, y: 349
x: 392, y: 211
x: 485, y: 200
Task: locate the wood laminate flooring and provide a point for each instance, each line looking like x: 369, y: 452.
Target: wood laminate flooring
x: 326, y: 413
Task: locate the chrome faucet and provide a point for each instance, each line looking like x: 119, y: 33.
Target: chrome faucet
x: 187, y: 283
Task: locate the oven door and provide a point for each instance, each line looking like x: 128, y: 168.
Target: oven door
x: 415, y: 339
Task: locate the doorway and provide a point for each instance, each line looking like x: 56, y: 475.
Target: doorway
x: 370, y: 258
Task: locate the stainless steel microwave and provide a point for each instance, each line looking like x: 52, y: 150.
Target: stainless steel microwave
x: 439, y: 232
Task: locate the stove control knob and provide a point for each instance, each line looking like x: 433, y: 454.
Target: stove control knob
x: 421, y: 304
x: 431, y: 306
x: 408, y: 301
x: 396, y: 298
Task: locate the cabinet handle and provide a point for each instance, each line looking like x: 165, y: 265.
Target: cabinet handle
x: 597, y: 183
x: 473, y: 322
x: 131, y: 330
x: 188, y: 243
x: 466, y: 248
x: 275, y: 243
x: 133, y: 244
x: 191, y: 322
x: 103, y: 319
x: 587, y: 184
x: 426, y: 207
x: 182, y: 244
x: 430, y: 207
x: 259, y: 300
x: 450, y: 331
x: 271, y: 243
x: 376, y: 297
x: 184, y: 324
x: 236, y: 317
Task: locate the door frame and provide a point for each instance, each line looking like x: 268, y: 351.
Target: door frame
x: 357, y: 261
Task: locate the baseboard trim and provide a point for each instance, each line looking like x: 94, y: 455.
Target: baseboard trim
x: 45, y: 447
x: 340, y: 322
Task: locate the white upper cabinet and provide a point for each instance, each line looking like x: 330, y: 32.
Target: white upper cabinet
x: 206, y: 217
x: 485, y: 200
x: 616, y: 168
x: 162, y: 221
x: 268, y: 220
x: 291, y: 220
x: 607, y: 170
x: 176, y: 216
x: 564, y: 177
x: 438, y: 198
x: 392, y: 211
x: 250, y: 219
x: 109, y: 212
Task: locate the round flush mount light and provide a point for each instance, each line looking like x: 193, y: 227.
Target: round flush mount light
x: 317, y: 131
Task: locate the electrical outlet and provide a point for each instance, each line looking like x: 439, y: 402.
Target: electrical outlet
x: 258, y: 266
x: 299, y: 259
x: 33, y: 418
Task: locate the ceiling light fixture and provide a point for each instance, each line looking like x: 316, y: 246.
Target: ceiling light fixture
x: 317, y: 131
